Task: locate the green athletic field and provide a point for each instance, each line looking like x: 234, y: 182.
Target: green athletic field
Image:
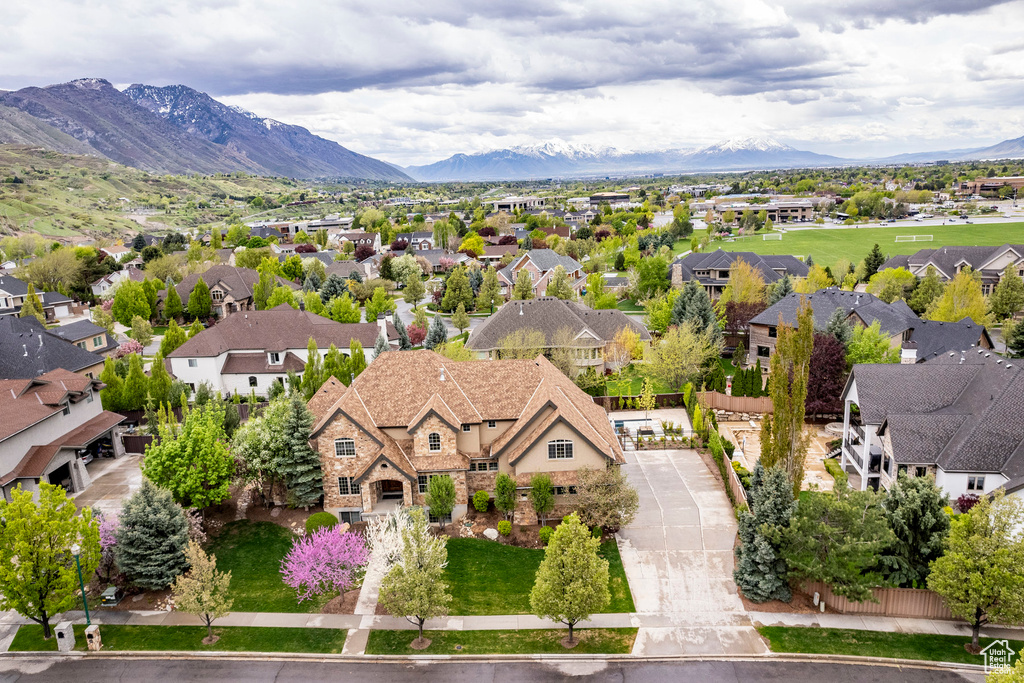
x: 826, y: 246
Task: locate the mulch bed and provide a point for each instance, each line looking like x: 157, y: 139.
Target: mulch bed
x: 343, y: 604
x: 802, y: 603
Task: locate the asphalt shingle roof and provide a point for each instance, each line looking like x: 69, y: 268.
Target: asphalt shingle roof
x: 767, y: 265
x: 27, y: 350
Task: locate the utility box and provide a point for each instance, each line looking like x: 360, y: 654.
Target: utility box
x: 92, y: 638
x: 65, y: 636
x: 110, y: 597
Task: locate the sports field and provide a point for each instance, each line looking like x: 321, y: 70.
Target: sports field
x: 828, y: 245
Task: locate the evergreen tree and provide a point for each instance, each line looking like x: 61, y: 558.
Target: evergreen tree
x: 403, y: 335
x: 872, y: 262
x: 110, y: 395
x: 572, y: 580
x: 694, y: 305
x: 1008, y: 296
x: 333, y: 287
x: 195, y: 328
x: 476, y: 279
x: 356, y: 276
x: 32, y: 306
x: 490, y: 291
x: 914, y: 508
x: 159, y: 380
x: 381, y: 345
x: 760, y: 571
x: 264, y: 288
x: 136, y: 385
x: 739, y: 382
x: 151, y: 538
x: 1013, y: 333
x: 172, y: 339
x: 172, y: 302
x: 139, y: 243
x: 839, y: 328
x: 780, y: 290
x: 312, y: 282
x: 356, y: 359
x: 928, y: 290
x: 313, y: 373
x: 756, y: 381
x: 437, y: 334
x: 149, y: 286
x: 200, y: 303
x: 298, y: 463
x: 808, y: 261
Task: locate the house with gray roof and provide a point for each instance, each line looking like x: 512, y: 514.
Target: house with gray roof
x: 541, y: 263
x: 419, y: 240
x: 988, y: 262
x: 13, y: 293
x: 27, y: 350
x: 958, y: 416
x: 587, y: 332
x: 712, y: 269
x: 86, y: 335
x: 918, y: 339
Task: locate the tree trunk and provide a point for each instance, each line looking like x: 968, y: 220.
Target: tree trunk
x: 976, y: 627
x: 209, y: 626
x: 420, y: 624
x: 44, y: 619
x: 571, y: 624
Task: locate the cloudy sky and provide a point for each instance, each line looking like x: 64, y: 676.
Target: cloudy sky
x: 413, y: 82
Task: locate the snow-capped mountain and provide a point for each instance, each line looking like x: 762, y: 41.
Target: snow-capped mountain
x: 558, y: 158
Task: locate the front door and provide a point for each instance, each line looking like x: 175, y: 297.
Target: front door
x: 391, y: 490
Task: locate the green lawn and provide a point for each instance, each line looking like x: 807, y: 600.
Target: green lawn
x: 829, y: 245
x: 539, y: 641
x: 232, y: 639
x: 839, y: 641
x: 159, y: 330
x: 632, y: 383
x: 630, y: 306
x: 486, y: 577
x: 252, y: 552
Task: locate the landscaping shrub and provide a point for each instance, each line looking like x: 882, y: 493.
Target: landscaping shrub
x: 320, y: 520
x: 504, y: 527
x: 965, y: 502
x: 545, y: 533
x: 832, y: 467
x: 729, y: 447
x: 596, y: 532
x: 718, y: 453
x: 743, y: 473
x: 481, y: 499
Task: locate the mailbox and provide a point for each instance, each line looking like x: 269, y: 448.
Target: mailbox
x: 92, y: 638
x: 65, y: 636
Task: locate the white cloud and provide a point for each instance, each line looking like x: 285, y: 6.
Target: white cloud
x: 413, y: 82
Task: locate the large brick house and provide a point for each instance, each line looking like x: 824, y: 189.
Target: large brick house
x: 415, y: 414
x: 231, y: 288
x: 541, y: 264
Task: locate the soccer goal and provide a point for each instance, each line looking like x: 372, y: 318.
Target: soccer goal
x: 771, y: 236
x: 913, y: 238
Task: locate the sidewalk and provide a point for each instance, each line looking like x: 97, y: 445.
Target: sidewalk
x: 883, y: 624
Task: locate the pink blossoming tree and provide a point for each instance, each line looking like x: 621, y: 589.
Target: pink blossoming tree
x: 324, y: 561
x: 109, y: 524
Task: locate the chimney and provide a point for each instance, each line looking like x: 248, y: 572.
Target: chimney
x: 382, y: 324
x: 908, y: 354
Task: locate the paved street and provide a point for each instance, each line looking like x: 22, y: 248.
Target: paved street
x: 678, y: 556
x: 61, y: 670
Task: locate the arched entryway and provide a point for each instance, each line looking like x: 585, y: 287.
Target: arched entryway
x: 390, y: 489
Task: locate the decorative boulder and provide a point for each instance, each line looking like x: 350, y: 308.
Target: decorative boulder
x: 492, y: 534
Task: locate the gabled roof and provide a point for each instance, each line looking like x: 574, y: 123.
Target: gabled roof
x: 28, y: 350
x: 24, y: 402
x: 945, y: 259
x: 239, y: 282
x: 891, y: 318
x: 548, y: 315
x: 279, y: 329
x: 13, y: 286
x: 767, y: 265
x: 547, y: 259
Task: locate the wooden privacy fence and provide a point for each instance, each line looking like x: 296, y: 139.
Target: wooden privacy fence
x: 911, y: 603
x: 734, y: 404
x: 136, y: 443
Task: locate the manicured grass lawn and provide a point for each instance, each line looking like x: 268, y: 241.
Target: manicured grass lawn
x: 232, y: 639
x: 727, y: 366
x: 540, y: 641
x: 159, y: 330
x: 630, y: 306
x: 252, y: 552
x: 827, y: 246
x: 632, y: 383
x: 485, y: 577
x: 839, y: 641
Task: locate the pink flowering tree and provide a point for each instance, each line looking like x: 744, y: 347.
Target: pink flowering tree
x: 324, y: 561
x: 109, y: 524
x: 130, y: 346
x: 446, y: 263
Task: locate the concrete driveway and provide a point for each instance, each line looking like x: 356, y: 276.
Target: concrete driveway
x: 678, y: 557
x: 113, y: 482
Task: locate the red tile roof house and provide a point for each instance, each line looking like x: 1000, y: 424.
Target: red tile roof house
x: 253, y: 349
x: 415, y: 414
x: 52, y: 424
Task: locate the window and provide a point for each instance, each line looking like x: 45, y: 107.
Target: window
x: 193, y: 363
x: 421, y: 482
x: 217, y: 295
x: 434, y: 442
x: 920, y: 471
x: 252, y: 380
x: 350, y: 516
x: 975, y: 483
x: 560, y: 449
x: 88, y: 398
x: 81, y: 345
x: 97, y: 341
x: 763, y: 351
x: 466, y: 427
x: 345, y: 448
x: 492, y: 424
x: 66, y: 409
x: 484, y: 466
x: 275, y: 358
x: 436, y: 520
x: 773, y: 331
x: 347, y: 486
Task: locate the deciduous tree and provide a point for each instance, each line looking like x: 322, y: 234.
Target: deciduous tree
x: 130, y: 301
x: 961, y: 298
x: 203, y: 591
x: 460, y: 319
x: 1008, y: 296
x: 542, y: 496
x: 343, y: 309
x: 605, y: 498
x: 827, y: 376
x: 523, y: 288
x: 682, y: 355
x: 324, y: 562
x: 440, y: 497
x: 505, y: 495
x: 523, y: 344
x: 871, y: 345
x: 928, y: 290
x: 489, y: 296
x: 194, y: 465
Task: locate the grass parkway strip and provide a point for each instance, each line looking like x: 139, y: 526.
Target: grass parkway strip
x: 592, y: 641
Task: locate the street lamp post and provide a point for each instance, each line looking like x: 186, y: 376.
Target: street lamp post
x: 76, y: 550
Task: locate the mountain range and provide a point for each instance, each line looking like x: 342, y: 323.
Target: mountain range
x: 173, y: 129
x: 559, y: 159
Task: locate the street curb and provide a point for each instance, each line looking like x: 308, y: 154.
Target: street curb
x: 299, y: 656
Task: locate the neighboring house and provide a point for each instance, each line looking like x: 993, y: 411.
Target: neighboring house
x: 53, y: 426
x: 712, y: 269
x: 418, y: 240
x: 14, y: 291
x: 580, y: 217
x: 28, y: 350
x: 230, y: 288
x: 344, y: 269
x: 252, y: 350
x: 434, y: 257
x: 266, y: 230
x: 117, y: 252
x: 918, y: 339
x: 957, y: 416
x: 988, y: 262
x: 325, y: 257
x: 106, y: 284
x: 415, y: 414
x: 495, y: 252
x: 541, y: 263
x: 86, y: 335
x: 589, y: 330
x: 356, y: 237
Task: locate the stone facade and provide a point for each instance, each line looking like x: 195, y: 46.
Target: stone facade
x: 335, y: 466
x: 420, y: 438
